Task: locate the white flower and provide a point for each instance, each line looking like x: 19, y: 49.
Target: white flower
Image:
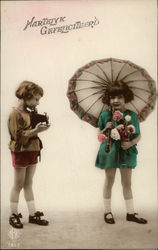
x: 115, y: 134
x: 127, y: 118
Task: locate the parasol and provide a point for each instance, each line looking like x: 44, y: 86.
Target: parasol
x: 89, y: 83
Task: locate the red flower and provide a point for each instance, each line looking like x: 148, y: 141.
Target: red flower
x: 131, y: 128
x: 120, y: 127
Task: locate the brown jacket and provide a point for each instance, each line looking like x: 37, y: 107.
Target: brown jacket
x: 19, y: 126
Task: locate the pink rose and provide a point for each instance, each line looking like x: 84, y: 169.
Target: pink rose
x: 117, y: 116
x: 101, y: 138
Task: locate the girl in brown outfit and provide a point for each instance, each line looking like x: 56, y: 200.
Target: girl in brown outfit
x: 25, y: 147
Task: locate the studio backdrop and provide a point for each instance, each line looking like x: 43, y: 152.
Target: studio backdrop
x: 46, y: 42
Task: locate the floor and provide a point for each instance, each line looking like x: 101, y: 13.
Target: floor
x: 80, y: 230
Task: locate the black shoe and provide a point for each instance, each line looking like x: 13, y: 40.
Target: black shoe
x: 14, y: 221
x: 109, y: 220
x: 36, y: 219
x: 134, y: 218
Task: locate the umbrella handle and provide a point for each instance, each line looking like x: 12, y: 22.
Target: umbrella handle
x: 108, y: 145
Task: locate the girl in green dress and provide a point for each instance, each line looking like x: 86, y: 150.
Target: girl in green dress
x: 123, y: 153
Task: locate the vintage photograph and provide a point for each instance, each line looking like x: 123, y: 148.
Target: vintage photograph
x: 79, y: 124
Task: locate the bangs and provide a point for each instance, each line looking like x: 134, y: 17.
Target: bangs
x: 116, y: 91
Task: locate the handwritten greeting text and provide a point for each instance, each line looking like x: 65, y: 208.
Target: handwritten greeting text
x: 55, y: 25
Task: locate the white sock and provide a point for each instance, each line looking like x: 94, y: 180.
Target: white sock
x: 31, y: 207
x: 129, y: 206
x: 14, y: 207
x: 107, y: 205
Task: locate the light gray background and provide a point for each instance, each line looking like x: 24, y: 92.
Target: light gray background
x: 66, y: 179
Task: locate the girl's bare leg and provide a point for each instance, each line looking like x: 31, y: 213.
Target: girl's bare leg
x: 34, y: 216
x: 109, y: 181
x: 28, y: 191
x: 19, y: 178
x: 107, y: 190
x: 126, y: 175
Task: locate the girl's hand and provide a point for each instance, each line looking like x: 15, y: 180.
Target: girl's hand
x: 46, y: 116
x: 126, y: 144
x: 40, y: 127
x: 109, y: 125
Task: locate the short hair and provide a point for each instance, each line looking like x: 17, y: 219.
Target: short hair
x: 27, y: 90
x: 116, y: 89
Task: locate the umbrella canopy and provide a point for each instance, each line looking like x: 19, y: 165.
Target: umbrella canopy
x: 89, y: 83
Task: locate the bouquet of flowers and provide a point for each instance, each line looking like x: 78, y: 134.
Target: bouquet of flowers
x: 121, y: 131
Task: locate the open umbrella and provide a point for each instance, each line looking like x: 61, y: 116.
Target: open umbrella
x: 87, y: 86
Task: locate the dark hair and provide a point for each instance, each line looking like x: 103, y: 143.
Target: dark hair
x: 27, y: 90
x: 116, y: 89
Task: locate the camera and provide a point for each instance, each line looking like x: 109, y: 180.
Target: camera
x: 37, y: 118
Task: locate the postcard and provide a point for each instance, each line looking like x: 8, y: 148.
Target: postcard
x: 59, y: 59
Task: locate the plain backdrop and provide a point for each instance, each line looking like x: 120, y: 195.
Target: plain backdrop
x: 66, y: 177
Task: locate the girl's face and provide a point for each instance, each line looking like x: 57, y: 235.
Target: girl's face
x: 117, y: 102
x: 33, y: 102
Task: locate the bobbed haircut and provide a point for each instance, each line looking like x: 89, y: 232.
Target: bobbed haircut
x: 116, y: 89
x: 27, y: 90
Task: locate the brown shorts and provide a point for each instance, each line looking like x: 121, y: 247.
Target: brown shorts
x: 24, y: 159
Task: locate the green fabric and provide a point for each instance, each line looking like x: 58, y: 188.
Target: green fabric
x: 117, y: 157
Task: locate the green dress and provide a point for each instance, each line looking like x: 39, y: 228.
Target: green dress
x: 117, y: 157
